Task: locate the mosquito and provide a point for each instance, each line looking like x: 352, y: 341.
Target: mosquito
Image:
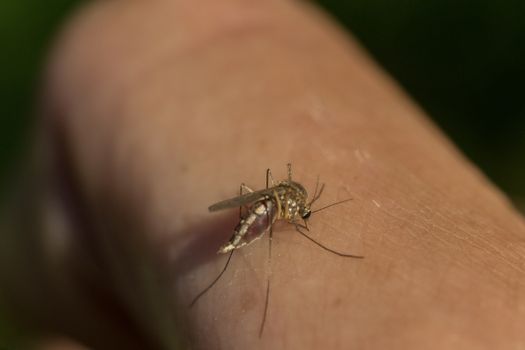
x: 287, y: 200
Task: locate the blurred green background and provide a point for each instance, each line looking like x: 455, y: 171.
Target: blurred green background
x: 26, y: 30
x: 463, y: 61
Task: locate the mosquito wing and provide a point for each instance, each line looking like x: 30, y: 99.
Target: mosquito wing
x: 244, y: 199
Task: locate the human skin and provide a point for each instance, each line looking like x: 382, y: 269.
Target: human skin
x: 155, y: 110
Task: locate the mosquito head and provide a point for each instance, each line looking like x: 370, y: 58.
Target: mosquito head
x: 306, y: 212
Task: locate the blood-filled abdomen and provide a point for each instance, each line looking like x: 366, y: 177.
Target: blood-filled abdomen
x: 259, y: 218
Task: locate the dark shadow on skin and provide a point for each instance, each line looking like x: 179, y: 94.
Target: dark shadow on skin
x: 89, y: 265
x: 199, y: 244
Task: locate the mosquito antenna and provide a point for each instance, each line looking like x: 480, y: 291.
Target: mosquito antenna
x: 326, y: 248
x: 331, y: 205
x: 320, y: 193
x: 316, y: 187
x: 214, y: 281
x: 316, y: 197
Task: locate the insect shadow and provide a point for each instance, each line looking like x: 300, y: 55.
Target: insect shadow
x: 286, y: 200
x: 201, y: 245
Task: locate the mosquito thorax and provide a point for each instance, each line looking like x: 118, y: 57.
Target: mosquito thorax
x: 292, y: 198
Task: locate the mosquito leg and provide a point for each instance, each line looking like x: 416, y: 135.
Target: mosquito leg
x: 242, y: 190
x: 269, y: 178
x: 245, y: 188
x: 297, y: 228
x: 261, y: 330
x: 305, y: 226
x: 289, y: 165
x: 240, y: 206
x: 267, y: 299
x: 214, y: 281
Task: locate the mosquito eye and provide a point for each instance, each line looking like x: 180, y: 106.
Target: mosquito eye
x: 307, y: 215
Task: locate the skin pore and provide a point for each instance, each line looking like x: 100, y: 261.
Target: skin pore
x: 162, y: 109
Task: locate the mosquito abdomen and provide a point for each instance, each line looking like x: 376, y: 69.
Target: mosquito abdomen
x: 260, y: 216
